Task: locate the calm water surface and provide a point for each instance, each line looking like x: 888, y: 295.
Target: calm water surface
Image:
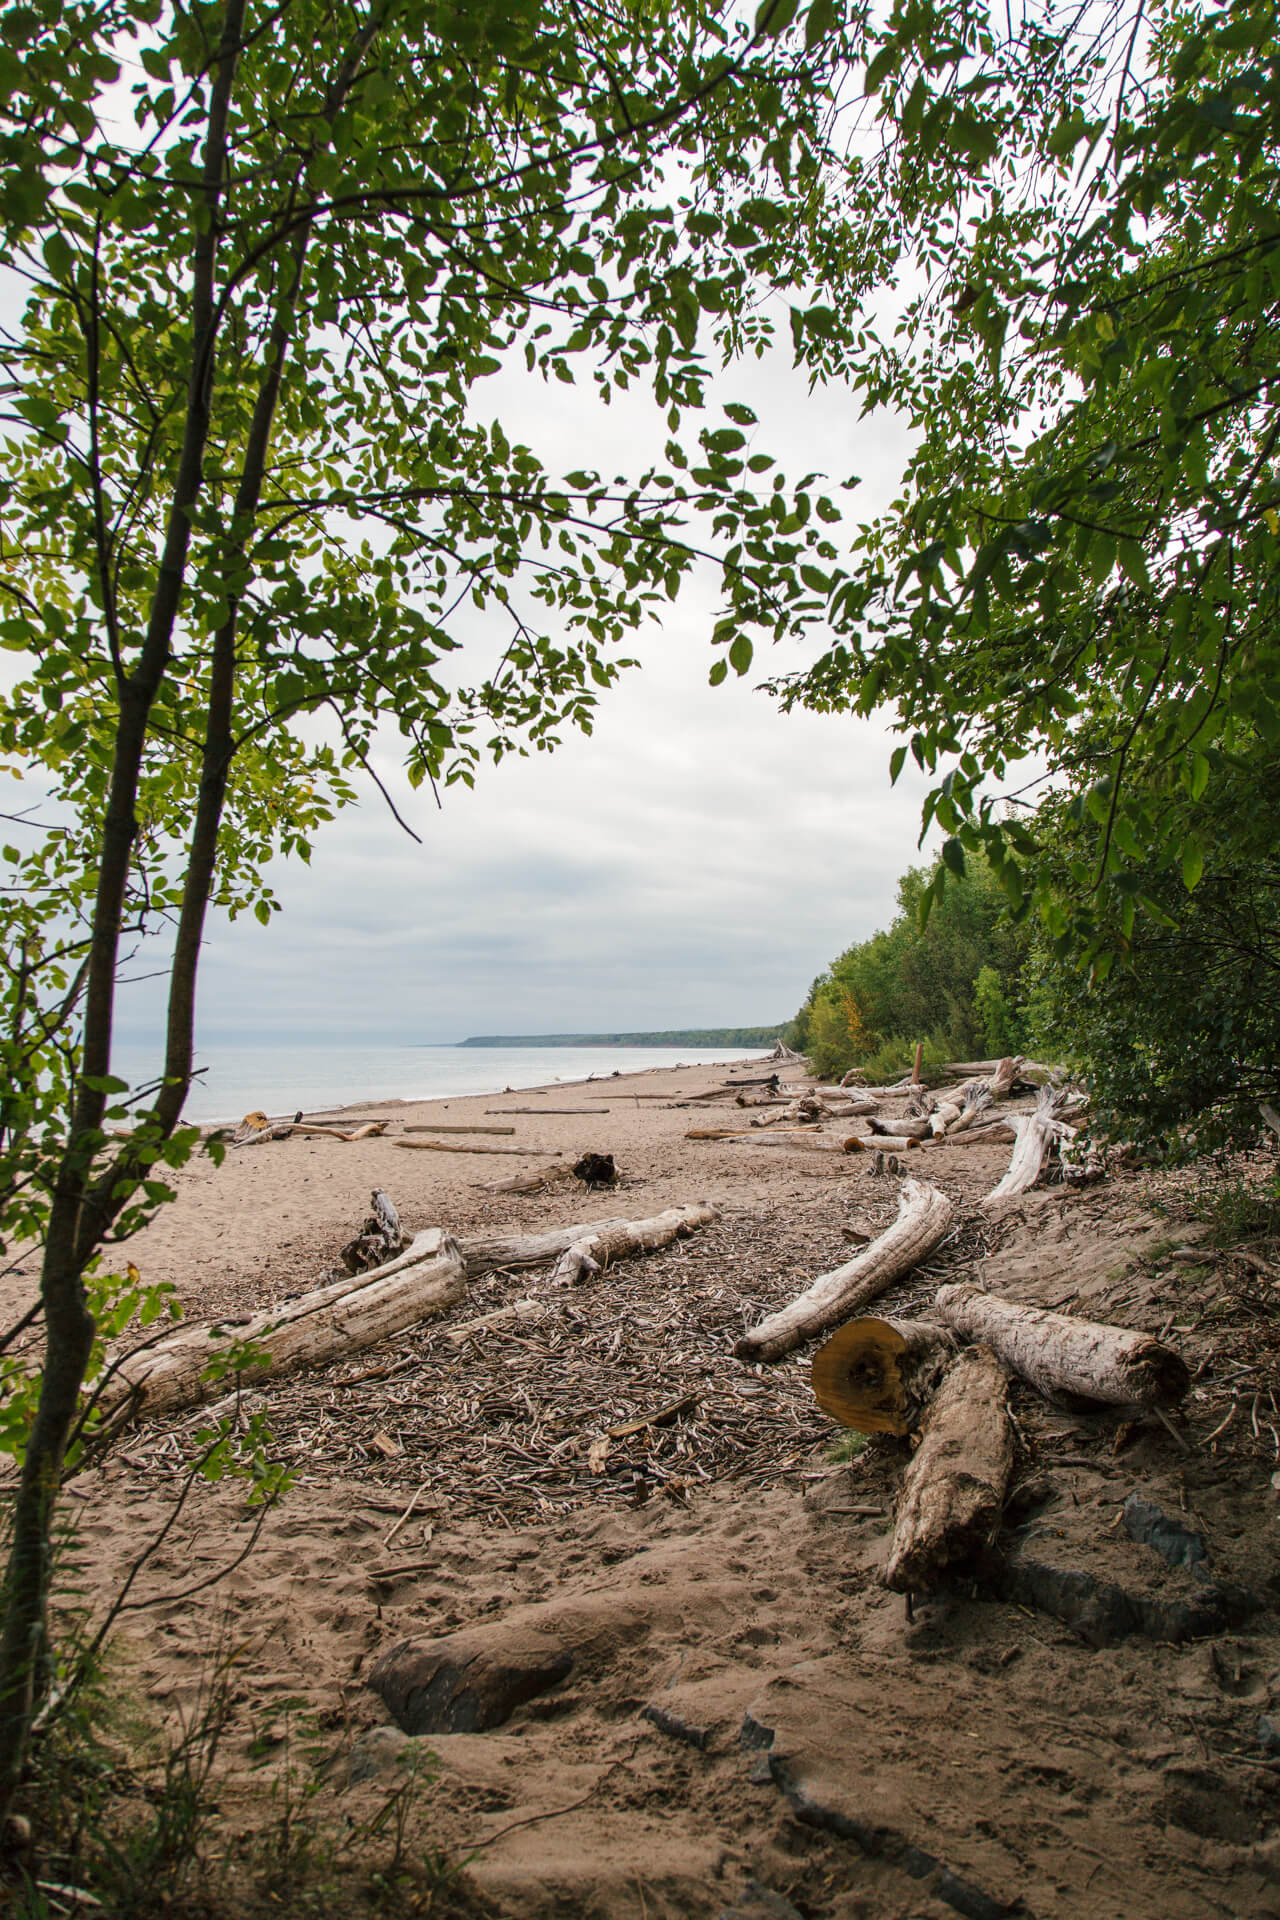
x: 280, y: 1079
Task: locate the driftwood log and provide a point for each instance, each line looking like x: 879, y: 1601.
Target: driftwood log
x: 380, y: 1238
x: 977, y: 1100
x: 1037, y: 1133
x: 878, y: 1376
x: 426, y: 1279
x: 483, y: 1252
x: 534, y: 1182
x: 885, y: 1142
x: 924, y: 1219
x: 459, y: 1146
x: 1062, y: 1356
x: 595, y: 1251
x: 953, y: 1491
x: 996, y: 1133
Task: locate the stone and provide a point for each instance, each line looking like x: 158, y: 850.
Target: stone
x: 455, y: 1686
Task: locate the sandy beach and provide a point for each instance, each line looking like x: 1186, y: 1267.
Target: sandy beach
x: 748, y: 1723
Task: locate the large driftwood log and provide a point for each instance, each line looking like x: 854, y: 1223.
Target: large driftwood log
x: 997, y: 1133
x: 924, y: 1218
x: 1037, y: 1132
x: 483, y: 1252
x: 595, y: 1251
x: 878, y: 1375
x: 317, y: 1327
x: 1007, y: 1071
x: 953, y: 1491
x: 1064, y: 1356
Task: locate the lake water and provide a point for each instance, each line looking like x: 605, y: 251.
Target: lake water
x: 279, y: 1079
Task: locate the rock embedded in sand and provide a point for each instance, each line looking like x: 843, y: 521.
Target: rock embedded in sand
x: 458, y: 1686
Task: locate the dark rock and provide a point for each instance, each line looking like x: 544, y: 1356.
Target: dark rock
x: 1103, y: 1613
x: 597, y: 1170
x: 451, y: 1686
x: 1151, y: 1527
x: 875, y: 1840
x: 678, y: 1729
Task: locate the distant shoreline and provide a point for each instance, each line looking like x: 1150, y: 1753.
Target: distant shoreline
x: 681, y: 1037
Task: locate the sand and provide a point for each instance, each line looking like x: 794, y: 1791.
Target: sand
x: 750, y: 1724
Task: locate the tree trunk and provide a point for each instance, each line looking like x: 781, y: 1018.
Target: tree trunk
x: 877, y: 1376
x: 482, y: 1253
x: 1007, y: 1071
x: 924, y: 1219
x: 426, y: 1279
x: 977, y: 1099
x: 1064, y: 1356
x: 953, y: 1491
x: 885, y: 1142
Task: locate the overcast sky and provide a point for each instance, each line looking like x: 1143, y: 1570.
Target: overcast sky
x: 695, y: 862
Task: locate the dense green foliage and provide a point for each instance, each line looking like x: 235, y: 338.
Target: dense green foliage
x: 675, y: 1037
x: 1081, y: 214
x: 1183, y: 1041
x: 954, y: 982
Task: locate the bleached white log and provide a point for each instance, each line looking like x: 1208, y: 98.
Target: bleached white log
x: 323, y: 1325
x: 483, y: 1252
x: 924, y: 1219
x: 1060, y: 1355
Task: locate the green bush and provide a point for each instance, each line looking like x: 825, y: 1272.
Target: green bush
x: 955, y: 982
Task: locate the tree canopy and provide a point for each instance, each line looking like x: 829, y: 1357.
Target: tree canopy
x: 1080, y: 211
x: 252, y: 506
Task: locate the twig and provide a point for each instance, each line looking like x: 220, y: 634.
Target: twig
x: 556, y: 1813
x: 404, y: 1516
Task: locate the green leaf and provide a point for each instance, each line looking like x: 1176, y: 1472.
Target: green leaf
x: 740, y: 654
x: 719, y: 672
x: 953, y: 856
x: 1191, y: 857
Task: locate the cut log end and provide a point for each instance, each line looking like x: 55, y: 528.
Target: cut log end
x: 876, y: 1375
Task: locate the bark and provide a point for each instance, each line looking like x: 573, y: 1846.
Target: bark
x: 942, y: 1116
x: 879, y: 1375
x: 953, y: 1491
x: 924, y: 1219
x: 483, y: 1253
x: 1064, y: 1356
x: 595, y: 1251
x: 327, y: 1324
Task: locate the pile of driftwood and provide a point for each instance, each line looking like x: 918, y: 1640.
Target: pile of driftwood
x: 420, y: 1280
x: 917, y: 1377
x: 964, y: 1114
